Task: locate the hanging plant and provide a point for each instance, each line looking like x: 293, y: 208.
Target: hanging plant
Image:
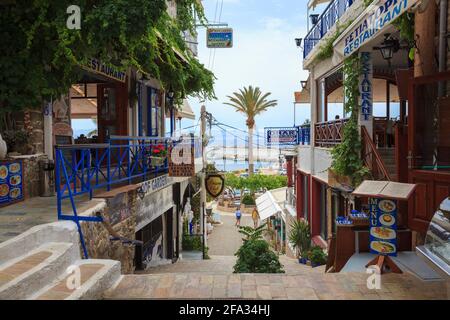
x: 347, y: 155
x: 327, y: 49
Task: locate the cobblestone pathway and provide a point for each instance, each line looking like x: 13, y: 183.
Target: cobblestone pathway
x: 213, y: 279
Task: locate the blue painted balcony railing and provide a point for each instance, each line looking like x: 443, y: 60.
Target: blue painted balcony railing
x: 304, y: 135
x: 82, y: 169
x: 326, y: 21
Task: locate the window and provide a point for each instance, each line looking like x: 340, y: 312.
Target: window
x: 150, y: 114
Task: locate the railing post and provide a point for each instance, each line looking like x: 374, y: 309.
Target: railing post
x: 108, y: 167
x: 58, y: 181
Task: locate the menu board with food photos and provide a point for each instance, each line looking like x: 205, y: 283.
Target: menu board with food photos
x: 383, y: 227
x: 11, y: 182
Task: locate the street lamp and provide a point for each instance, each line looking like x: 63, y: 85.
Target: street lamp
x: 314, y: 19
x: 304, y: 83
x: 298, y: 42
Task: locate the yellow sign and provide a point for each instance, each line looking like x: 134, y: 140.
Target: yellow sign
x: 215, y: 184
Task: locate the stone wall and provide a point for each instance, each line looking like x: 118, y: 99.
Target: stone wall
x: 97, y: 236
x: 32, y: 121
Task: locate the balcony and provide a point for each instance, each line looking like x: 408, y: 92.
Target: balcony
x: 330, y: 133
x: 333, y: 12
x: 84, y: 169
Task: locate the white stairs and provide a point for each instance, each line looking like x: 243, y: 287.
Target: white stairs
x: 44, y: 263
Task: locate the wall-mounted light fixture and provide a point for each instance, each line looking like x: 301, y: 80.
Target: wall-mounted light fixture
x: 314, y: 19
x: 304, y: 83
x: 298, y: 42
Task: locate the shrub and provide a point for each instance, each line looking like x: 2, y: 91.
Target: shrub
x: 255, y: 256
x: 248, y: 200
x: 317, y: 256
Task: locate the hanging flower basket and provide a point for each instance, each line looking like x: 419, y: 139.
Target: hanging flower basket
x: 158, y: 155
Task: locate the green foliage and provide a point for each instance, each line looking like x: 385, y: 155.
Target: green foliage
x: 192, y: 243
x: 252, y: 234
x: 317, y: 256
x: 256, y: 257
x: 255, y: 182
x: 367, y: 3
x: 405, y: 24
x: 248, y: 200
x: 347, y: 155
x: 41, y: 57
x: 300, y: 236
x: 326, y: 50
x: 251, y: 102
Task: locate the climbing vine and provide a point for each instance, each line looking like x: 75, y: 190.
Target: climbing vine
x: 326, y: 50
x: 405, y: 24
x: 40, y: 57
x: 347, y: 155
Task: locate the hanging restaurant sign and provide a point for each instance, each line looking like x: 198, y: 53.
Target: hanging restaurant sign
x: 369, y: 24
x: 282, y: 136
x: 106, y: 70
x: 366, y: 88
x: 219, y: 38
x: 215, y: 184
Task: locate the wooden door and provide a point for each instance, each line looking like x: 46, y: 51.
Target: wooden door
x: 112, y: 110
x: 426, y: 152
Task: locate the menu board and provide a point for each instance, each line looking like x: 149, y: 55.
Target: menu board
x: 383, y: 227
x: 11, y: 182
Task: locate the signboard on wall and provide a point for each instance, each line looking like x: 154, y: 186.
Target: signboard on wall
x: 366, y: 91
x: 371, y: 23
x: 282, y: 136
x: 383, y: 227
x: 11, y: 182
x: 97, y: 66
x: 185, y: 157
x: 215, y: 184
x: 219, y: 38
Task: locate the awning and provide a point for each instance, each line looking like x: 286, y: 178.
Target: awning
x: 314, y: 3
x: 267, y: 206
x: 303, y: 96
x: 185, y: 111
x: 368, y: 25
x: 83, y: 108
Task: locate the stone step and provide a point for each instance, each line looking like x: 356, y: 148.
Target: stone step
x: 96, y: 276
x: 62, y: 231
x: 22, y: 276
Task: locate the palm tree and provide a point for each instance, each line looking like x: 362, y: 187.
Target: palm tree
x: 251, y: 102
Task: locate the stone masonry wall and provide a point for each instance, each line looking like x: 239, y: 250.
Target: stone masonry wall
x: 97, y: 237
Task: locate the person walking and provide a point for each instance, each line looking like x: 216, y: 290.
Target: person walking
x: 238, y: 217
x: 255, y: 217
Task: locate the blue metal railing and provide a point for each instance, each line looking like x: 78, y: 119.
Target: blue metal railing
x: 304, y: 135
x: 82, y: 169
x: 326, y: 21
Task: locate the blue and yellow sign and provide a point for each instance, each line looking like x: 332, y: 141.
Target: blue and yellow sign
x: 11, y: 182
x: 383, y: 227
x: 219, y: 38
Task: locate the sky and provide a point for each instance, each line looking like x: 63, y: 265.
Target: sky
x: 264, y: 54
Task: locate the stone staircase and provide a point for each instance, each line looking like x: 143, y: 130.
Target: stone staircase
x: 388, y: 156
x: 44, y: 263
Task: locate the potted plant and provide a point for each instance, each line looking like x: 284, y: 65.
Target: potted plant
x: 159, y: 154
x: 317, y: 256
x: 300, y: 239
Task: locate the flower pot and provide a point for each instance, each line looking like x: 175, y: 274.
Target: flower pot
x: 302, y: 260
x: 157, y: 162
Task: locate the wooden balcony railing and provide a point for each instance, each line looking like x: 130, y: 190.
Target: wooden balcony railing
x: 330, y: 133
x: 372, y: 158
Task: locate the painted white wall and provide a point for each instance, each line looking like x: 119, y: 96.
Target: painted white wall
x: 322, y: 161
x: 304, y: 159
